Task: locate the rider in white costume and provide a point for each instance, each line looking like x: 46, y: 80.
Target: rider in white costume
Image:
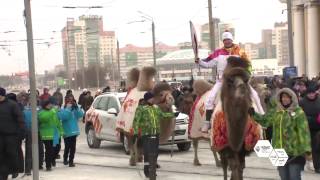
x: 218, y: 59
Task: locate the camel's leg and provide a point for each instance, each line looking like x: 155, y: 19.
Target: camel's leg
x: 235, y: 167
x: 135, y: 149
x: 224, y: 164
x: 242, y: 164
x: 195, y: 147
x: 216, y: 159
x: 232, y: 168
x: 139, y: 154
x: 132, y: 161
x: 218, y: 162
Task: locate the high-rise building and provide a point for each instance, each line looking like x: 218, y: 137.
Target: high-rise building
x: 268, y: 48
x: 252, y: 50
x: 281, y: 42
x: 85, y: 43
x: 108, y: 47
x: 205, y: 34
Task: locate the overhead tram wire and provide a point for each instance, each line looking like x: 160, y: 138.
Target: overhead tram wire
x: 42, y: 39
x: 102, y: 3
x: 182, y: 25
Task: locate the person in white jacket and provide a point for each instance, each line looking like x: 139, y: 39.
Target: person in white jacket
x: 218, y: 59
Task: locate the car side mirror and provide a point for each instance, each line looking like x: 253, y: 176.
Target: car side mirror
x: 112, y: 111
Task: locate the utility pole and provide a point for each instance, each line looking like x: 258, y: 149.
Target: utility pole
x: 112, y: 65
x: 212, y: 35
x: 75, y: 75
x: 98, y: 69
x: 68, y: 56
x: 154, y: 50
x: 118, y: 59
x: 32, y: 77
x: 82, y: 74
x: 211, y: 27
x: 290, y: 32
x: 149, y: 18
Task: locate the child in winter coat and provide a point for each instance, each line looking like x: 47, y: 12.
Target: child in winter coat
x: 290, y: 132
x: 28, y: 144
x: 146, y: 124
x: 27, y: 114
x: 50, y: 131
x: 70, y: 115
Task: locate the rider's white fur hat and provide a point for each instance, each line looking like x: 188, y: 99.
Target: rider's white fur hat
x: 227, y: 35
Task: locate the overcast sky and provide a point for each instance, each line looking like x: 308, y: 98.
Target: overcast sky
x: 171, y: 19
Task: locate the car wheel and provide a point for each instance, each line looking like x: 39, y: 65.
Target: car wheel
x: 92, y: 140
x: 184, y: 146
x: 125, y: 143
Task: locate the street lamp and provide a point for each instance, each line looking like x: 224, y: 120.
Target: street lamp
x: 149, y: 18
x: 131, y: 22
x: 82, y: 7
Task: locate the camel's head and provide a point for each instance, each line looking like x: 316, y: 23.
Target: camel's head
x: 146, y: 79
x: 133, y: 77
x: 237, y: 81
x: 162, y: 96
x: 200, y: 87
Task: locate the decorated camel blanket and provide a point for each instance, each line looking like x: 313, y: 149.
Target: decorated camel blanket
x: 197, y: 116
x: 128, y: 110
x: 219, y: 139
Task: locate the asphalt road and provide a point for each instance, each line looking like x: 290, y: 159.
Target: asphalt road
x: 110, y: 163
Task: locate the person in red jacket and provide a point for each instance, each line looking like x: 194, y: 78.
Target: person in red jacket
x: 45, y: 96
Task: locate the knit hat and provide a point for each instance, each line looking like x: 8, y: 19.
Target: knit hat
x: 12, y: 96
x: 69, y: 91
x: 45, y: 103
x: 227, y: 35
x: 2, y: 92
x: 53, y: 100
x: 312, y: 87
x: 147, y: 96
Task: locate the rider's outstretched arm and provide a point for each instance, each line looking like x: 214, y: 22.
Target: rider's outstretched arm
x: 205, y: 63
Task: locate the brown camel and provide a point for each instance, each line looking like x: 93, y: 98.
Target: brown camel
x: 139, y: 81
x: 262, y: 90
x: 231, y: 122
x: 195, y: 108
x: 163, y: 99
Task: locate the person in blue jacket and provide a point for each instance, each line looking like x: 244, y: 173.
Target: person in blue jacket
x: 70, y: 115
x: 28, y: 144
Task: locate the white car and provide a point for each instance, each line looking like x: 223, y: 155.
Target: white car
x: 101, y: 120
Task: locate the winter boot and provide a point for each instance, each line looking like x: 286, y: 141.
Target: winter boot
x: 152, y: 167
x: 146, y: 170
x: 65, y: 162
